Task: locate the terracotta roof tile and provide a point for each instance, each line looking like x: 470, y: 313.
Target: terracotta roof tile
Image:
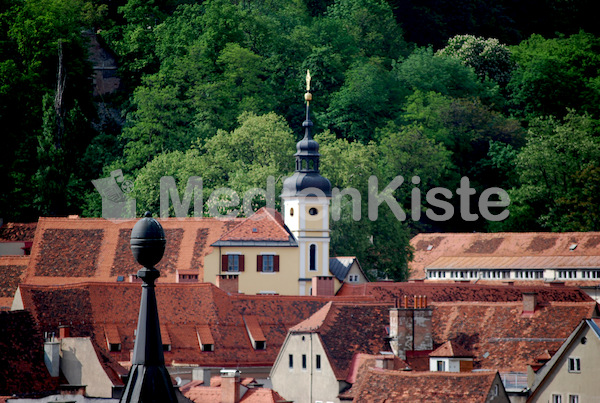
x: 446, y: 292
x: 74, y: 250
x: 112, y: 334
x: 349, y: 328
x: 254, y: 328
x: 430, y: 247
x: 186, y: 311
x: 500, y: 337
x: 407, y: 386
x: 450, y: 349
x: 17, y: 232
x: 212, y: 394
x: 264, y: 225
x: 69, y: 252
x: 13, y: 270
x: 22, y: 368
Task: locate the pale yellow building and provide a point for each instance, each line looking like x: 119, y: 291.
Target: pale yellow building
x: 571, y: 376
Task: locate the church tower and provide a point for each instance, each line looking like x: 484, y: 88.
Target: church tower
x: 306, y: 195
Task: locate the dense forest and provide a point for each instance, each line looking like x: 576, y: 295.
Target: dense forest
x: 505, y: 93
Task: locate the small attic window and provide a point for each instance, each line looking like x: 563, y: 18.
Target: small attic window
x: 430, y: 247
x: 208, y: 347
x: 120, y: 279
x: 113, y: 347
x: 166, y: 347
x: 260, y: 345
x: 254, y: 230
x: 573, y: 246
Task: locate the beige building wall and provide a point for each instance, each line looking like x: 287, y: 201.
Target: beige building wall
x: 251, y: 281
x: 583, y: 383
x: 80, y: 365
x: 307, y: 385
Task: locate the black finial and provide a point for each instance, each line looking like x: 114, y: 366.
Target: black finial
x: 149, y: 381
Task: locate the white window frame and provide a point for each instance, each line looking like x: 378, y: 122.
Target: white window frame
x: 574, y: 364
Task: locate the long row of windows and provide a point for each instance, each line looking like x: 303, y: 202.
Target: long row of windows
x: 536, y: 274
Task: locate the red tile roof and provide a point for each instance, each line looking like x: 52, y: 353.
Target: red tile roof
x: 22, y: 368
x: 446, y: 292
x: 17, y: 232
x: 13, y: 271
x: 212, y: 394
x: 346, y: 329
x: 407, y: 386
x: 497, y: 334
x: 450, y: 349
x: 500, y: 337
x: 186, y: 311
x: 74, y: 250
x: 264, y: 225
x: 431, y: 247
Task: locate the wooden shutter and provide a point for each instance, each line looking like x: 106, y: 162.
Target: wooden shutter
x: 224, y: 263
x: 259, y: 263
x: 276, y: 263
x: 241, y: 262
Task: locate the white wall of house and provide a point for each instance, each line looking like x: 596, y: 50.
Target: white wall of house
x: 572, y: 381
x: 304, y: 385
x: 80, y: 365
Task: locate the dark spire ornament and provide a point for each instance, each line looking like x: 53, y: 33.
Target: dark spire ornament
x: 307, y: 181
x: 149, y: 381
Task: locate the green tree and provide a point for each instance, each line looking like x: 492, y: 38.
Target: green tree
x: 424, y: 71
x: 556, y: 74
x: 557, y: 176
x: 369, y: 97
x: 486, y: 56
x: 259, y: 148
x: 382, y: 246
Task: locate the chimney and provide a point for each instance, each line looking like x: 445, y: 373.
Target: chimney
x: 201, y: 374
x: 64, y: 331
x: 230, y: 386
x: 228, y: 283
x: 323, y: 286
x: 52, y: 356
x: 401, y: 330
x: 411, y: 328
x: 529, y: 302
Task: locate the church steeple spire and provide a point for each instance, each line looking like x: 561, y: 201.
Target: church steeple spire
x: 306, y: 195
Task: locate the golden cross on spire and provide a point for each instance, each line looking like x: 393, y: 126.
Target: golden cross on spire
x: 308, y: 95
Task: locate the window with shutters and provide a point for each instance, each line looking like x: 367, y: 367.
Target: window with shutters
x: 233, y: 263
x: 267, y: 263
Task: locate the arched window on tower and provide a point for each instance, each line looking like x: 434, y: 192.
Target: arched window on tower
x: 312, y: 257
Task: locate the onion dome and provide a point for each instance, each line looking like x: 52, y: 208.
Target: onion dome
x: 306, y: 181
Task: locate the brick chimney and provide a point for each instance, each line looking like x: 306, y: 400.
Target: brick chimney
x: 410, y: 328
x: 228, y: 283
x: 64, y: 331
x: 322, y: 286
x: 529, y: 302
x: 230, y: 386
